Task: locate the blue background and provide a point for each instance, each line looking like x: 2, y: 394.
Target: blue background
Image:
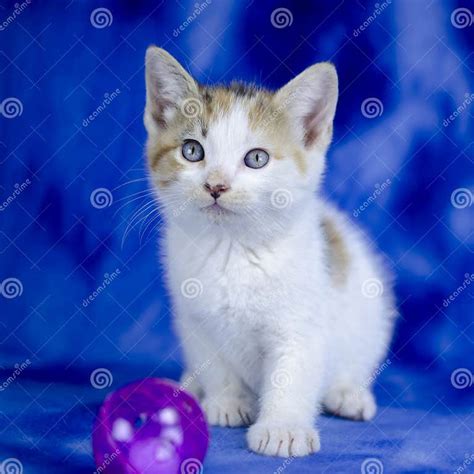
x: 412, y: 59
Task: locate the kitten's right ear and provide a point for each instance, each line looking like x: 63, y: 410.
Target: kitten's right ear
x: 167, y: 86
x: 310, y: 99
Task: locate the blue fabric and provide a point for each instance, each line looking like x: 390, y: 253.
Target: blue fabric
x: 405, y: 173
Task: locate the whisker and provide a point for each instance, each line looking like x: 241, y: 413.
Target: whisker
x: 143, y: 222
x: 145, y: 206
x: 143, y: 196
x: 130, y: 182
x: 153, y: 220
x: 143, y: 191
x: 133, y: 221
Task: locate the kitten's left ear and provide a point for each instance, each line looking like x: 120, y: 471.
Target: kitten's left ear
x: 311, y: 98
x: 167, y: 86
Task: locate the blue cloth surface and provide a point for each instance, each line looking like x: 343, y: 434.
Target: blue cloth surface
x: 422, y: 426
x: 81, y: 285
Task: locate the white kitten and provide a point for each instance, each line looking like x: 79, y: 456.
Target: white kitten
x: 280, y: 304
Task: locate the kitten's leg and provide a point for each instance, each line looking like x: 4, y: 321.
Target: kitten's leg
x: 227, y: 402
x: 349, y: 393
x: 289, y: 399
x: 224, y: 397
x: 190, y: 383
x: 352, y: 401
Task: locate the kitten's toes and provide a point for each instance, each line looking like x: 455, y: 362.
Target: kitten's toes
x: 350, y: 402
x: 283, y: 440
x: 228, y: 411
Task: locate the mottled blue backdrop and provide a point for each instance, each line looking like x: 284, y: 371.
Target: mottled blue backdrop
x: 81, y: 288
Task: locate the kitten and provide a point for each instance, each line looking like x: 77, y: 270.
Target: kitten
x: 281, y: 306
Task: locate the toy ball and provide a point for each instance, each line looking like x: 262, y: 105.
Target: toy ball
x: 150, y: 427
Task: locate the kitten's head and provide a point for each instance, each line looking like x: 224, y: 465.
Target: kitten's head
x: 236, y: 155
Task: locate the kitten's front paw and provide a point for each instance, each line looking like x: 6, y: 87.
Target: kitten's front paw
x: 353, y: 403
x: 228, y: 411
x: 283, y: 440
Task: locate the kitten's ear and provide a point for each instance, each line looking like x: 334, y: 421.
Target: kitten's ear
x: 311, y: 98
x: 167, y: 86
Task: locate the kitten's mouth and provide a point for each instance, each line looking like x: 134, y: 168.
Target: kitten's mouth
x: 216, y: 208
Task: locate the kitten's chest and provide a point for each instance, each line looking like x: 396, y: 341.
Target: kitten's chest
x: 228, y: 282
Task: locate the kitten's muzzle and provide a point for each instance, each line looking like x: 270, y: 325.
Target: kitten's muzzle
x: 215, y: 190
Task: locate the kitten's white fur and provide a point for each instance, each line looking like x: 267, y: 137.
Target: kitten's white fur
x: 270, y: 333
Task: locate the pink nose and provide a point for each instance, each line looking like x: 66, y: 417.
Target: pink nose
x: 215, y: 190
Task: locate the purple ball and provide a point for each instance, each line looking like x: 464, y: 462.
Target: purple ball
x: 150, y: 427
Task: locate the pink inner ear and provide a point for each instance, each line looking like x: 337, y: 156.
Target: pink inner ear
x: 315, y: 122
x: 160, y: 102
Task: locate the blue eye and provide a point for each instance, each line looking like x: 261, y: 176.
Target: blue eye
x: 192, y: 150
x: 256, y: 158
